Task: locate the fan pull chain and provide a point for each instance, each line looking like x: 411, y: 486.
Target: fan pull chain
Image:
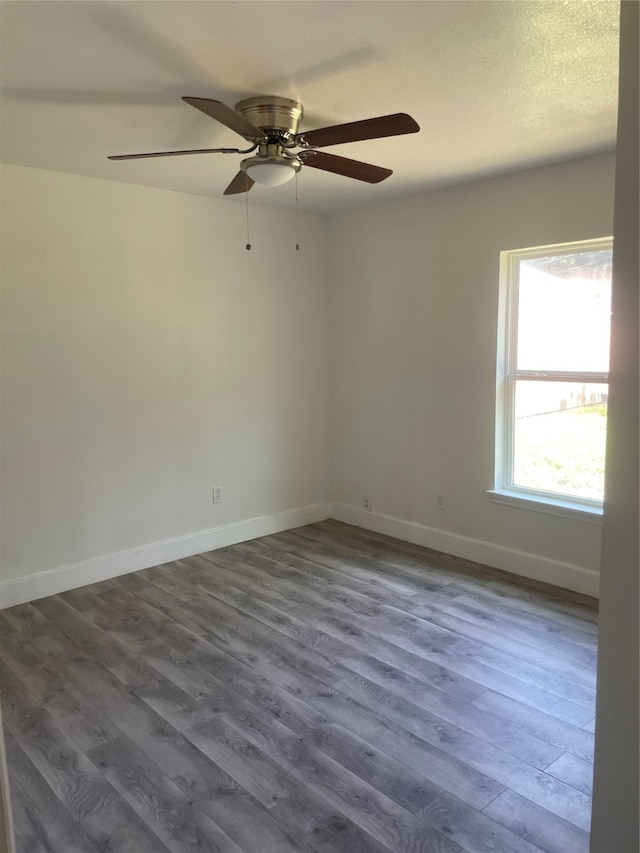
x: 297, y: 243
x: 246, y: 198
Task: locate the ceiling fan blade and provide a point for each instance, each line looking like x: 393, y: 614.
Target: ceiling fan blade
x: 177, y: 153
x: 355, y: 131
x: 242, y: 183
x: 344, y: 166
x: 225, y: 115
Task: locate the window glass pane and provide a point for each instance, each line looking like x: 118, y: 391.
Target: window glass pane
x: 559, y: 437
x: 564, y: 308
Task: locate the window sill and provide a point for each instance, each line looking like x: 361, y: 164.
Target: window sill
x: 549, y: 506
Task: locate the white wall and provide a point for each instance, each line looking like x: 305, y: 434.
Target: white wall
x: 615, y: 790
x: 413, y: 324
x: 146, y: 357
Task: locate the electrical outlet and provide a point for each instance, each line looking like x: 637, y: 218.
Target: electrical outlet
x: 366, y: 503
x: 217, y: 495
x: 440, y: 502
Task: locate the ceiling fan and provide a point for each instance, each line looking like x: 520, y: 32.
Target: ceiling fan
x: 270, y: 124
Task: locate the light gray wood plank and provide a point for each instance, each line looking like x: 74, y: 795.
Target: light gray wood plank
x: 65, y: 768
x: 552, y: 794
x: 157, y: 801
x: 291, y: 619
x: 458, y: 712
x: 389, y: 777
x: 470, y: 602
x: 124, y: 709
x: 199, y: 778
x: 252, y: 827
x: 454, y: 776
x: 51, y: 828
x: 573, y: 604
x: 527, y: 678
x: 23, y: 617
x: 243, y: 761
x: 476, y: 833
x: 394, y: 826
x: 574, y: 771
x: 82, y: 720
x: 535, y: 675
x: 431, y: 763
x: 455, y: 566
x: 572, y: 661
x: 578, y: 741
x: 323, y: 828
x: 454, y: 715
x: 42, y: 823
x: 350, y: 631
x: 540, y: 827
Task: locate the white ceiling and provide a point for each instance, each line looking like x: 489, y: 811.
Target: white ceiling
x: 495, y: 86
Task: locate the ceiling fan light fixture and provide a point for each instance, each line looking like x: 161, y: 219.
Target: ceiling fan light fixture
x: 271, y: 171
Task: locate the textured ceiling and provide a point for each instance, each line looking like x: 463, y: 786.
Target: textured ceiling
x: 495, y: 86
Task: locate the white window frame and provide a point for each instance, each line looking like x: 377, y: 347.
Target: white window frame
x: 505, y: 491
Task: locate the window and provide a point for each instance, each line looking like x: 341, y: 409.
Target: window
x: 553, y: 362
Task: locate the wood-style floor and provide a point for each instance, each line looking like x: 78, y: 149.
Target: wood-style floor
x: 325, y: 689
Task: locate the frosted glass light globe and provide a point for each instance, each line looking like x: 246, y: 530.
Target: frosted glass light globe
x: 271, y: 173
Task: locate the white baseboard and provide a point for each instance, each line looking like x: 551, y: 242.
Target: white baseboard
x: 53, y: 581
x: 522, y: 563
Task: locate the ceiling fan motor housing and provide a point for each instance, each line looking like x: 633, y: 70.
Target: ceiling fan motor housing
x: 272, y: 114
